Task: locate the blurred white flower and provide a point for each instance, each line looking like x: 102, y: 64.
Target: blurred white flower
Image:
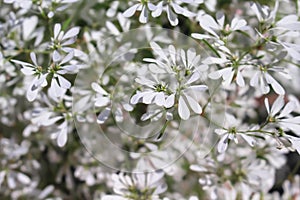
x: 218, y: 27
x: 138, y: 186
x: 174, y: 6
x: 262, y: 79
x: 231, y: 129
x: 144, y: 7
x: 281, y: 116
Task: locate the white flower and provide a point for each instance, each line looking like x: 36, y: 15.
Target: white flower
x: 145, y: 185
x: 262, y: 79
x: 25, y: 4
x: 230, y: 131
x: 102, y: 99
x: 39, y: 77
x: 186, y: 101
x: 157, y: 93
x: 228, y: 74
x: 62, y: 40
x: 178, y: 65
x: 216, y: 27
x: 60, y: 84
x: 173, y: 7
x: 142, y: 6
x: 280, y: 114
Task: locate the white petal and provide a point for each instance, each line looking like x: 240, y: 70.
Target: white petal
x: 33, y: 58
x: 32, y: 92
x: 277, y: 105
x: 223, y: 144
x: 209, y: 24
x: 183, y: 109
x: 220, y: 131
x: 144, y: 15
x: 198, y: 168
x: 215, y: 75
x: 237, y: 24
x: 29, y: 25
x: 172, y: 53
x: 22, y: 63
x: 96, y: 87
x: 275, y: 85
x: 151, y: 6
x: 290, y: 107
x: 57, y: 29
x: 250, y: 140
x: 130, y: 11
x: 27, y: 71
x: 267, y: 105
x: 191, y: 57
x: 158, y: 50
x: 194, y: 104
x: 102, y: 101
x: 56, y: 56
x: 158, y: 10
x: 195, y: 76
x: 220, y: 18
x: 71, y: 33
x: 112, y: 28
x: 170, y: 101
x: 24, y: 179
x: 62, y: 137
x: 68, y: 57
x: 160, y: 99
x: 63, y: 82
x: 135, y: 98
x: 201, y: 36
x: 103, y: 116
x: 254, y: 80
x: 239, y: 79
x: 148, y: 98
x: 198, y: 88
x: 171, y: 16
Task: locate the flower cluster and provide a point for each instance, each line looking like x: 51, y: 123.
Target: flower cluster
x: 99, y: 101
